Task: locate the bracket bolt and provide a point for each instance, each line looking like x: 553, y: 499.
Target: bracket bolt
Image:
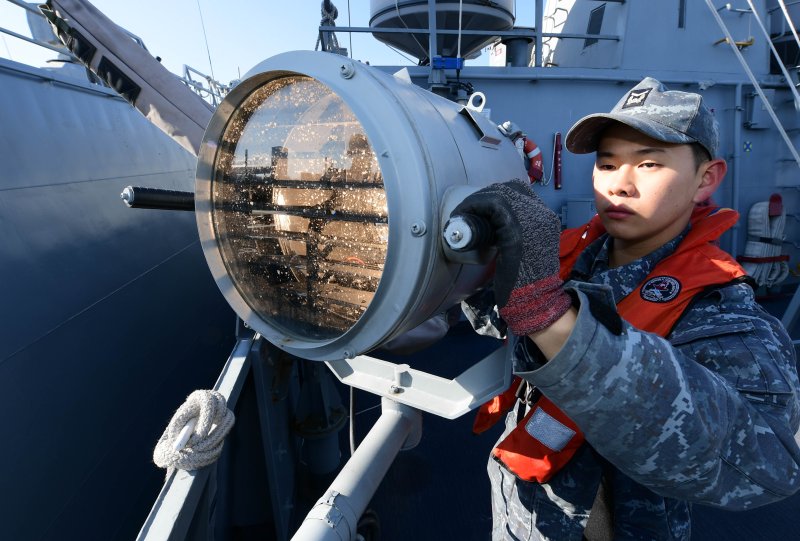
x: 347, y: 70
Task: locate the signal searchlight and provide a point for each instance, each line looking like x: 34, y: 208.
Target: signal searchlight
x: 323, y: 186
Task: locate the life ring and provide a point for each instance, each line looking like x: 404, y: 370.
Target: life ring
x: 534, y: 157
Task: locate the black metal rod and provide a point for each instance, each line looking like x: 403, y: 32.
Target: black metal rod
x: 321, y: 184
x: 313, y: 213
x: 156, y: 198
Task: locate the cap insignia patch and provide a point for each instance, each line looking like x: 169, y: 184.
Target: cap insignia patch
x: 636, y: 98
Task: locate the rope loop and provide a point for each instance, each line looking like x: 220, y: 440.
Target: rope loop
x: 207, y: 415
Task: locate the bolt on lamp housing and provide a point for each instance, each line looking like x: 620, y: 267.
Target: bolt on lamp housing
x: 322, y: 189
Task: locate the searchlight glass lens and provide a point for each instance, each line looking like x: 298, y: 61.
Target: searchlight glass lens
x: 299, y: 208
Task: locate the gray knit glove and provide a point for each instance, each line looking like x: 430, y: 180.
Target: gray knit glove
x: 527, y: 286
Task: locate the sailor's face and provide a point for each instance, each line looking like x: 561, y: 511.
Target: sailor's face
x: 645, y: 190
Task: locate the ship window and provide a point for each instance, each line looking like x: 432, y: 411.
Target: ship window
x: 682, y: 14
x: 595, y: 24
x: 117, y: 80
x: 80, y: 46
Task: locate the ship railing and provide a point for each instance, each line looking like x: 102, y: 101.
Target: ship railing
x: 45, y: 44
x: 535, y: 34
x: 214, y: 93
x: 789, y: 79
x: 789, y: 31
x: 51, y: 42
x: 39, y: 28
x: 530, y: 33
x: 791, y: 313
x: 759, y: 90
x: 41, y: 43
x: 175, y: 511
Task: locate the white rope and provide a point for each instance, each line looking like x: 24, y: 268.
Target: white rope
x: 194, y: 436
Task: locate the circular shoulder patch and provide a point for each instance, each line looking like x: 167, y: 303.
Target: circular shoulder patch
x: 660, y: 289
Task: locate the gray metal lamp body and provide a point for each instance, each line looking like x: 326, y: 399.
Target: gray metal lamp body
x: 431, y: 153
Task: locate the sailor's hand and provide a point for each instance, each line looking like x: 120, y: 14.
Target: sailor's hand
x: 527, y: 286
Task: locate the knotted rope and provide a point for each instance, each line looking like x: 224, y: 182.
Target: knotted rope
x: 195, y: 434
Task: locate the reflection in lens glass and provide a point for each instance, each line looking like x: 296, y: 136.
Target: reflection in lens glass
x: 299, y: 208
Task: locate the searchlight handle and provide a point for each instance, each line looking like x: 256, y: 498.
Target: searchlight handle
x: 157, y: 198
x: 465, y: 233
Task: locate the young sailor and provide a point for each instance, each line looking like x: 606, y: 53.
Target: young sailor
x: 650, y: 377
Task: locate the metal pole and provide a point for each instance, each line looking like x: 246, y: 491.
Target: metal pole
x: 789, y: 21
x: 736, y: 158
x: 179, y: 500
x: 432, y: 47
x: 789, y: 80
x: 437, y: 76
x: 335, y: 516
x: 754, y: 81
x: 791, y: 311
x: 537, y: 53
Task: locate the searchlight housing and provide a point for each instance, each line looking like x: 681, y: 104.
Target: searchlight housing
x: 322, y: 189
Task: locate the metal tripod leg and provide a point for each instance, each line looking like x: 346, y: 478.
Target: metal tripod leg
x: 334, y: 517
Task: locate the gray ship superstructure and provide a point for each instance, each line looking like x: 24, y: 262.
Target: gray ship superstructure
x: 95, y: 350
x: 323, y: 187
x: 574, y: 60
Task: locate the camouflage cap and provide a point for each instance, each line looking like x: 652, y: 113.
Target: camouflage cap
x: 665, y: 115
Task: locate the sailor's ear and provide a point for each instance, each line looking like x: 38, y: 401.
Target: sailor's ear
x: 710, y: 176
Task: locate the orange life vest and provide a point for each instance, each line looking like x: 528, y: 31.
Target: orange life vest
x: 546, y: 439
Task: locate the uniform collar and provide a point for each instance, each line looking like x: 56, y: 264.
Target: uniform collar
x: 592, y: 265
x: 706, y: 224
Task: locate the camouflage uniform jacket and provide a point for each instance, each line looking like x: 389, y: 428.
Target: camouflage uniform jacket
x: 706, y: 416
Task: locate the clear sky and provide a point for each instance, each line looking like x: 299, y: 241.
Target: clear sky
x: 240, y: 33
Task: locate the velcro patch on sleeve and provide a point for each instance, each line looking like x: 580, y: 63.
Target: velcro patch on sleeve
x: 548, y: 430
